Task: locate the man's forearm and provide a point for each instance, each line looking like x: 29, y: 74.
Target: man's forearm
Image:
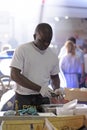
x: 23, y: 81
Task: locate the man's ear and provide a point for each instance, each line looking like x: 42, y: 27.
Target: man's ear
x: 34, y: 36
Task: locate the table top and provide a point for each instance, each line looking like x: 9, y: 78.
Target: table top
x: 24, y: 117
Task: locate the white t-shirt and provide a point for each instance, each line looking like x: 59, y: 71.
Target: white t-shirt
x: 34, y: 64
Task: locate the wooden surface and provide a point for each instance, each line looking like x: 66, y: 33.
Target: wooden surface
x: 71, y: 122
x: 23, y: 124
x: 80, y: 94
x: 65, y: 122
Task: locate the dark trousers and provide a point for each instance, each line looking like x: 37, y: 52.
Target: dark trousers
x: 25, y: 101
x: 81, y: 84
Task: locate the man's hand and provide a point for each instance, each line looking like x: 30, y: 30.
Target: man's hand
x: 59, y: 91
x: 46, y: 91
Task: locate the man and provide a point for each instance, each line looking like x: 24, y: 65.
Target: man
x: 33, y: 66
x: 85, y: 64
x: 80, y: 54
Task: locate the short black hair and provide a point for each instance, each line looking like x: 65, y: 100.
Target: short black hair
x: 46, y: 29
x: 72, y: 39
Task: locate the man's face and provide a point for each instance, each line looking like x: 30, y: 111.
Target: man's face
x: 42, y: 41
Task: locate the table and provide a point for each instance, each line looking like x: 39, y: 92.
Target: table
x: 25, y: 122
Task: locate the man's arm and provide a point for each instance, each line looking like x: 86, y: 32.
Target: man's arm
x: 22, y: 80
x: 55, y: 81
x: 56, y: 86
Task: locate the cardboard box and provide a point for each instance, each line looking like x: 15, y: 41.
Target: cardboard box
x: 76, y: 93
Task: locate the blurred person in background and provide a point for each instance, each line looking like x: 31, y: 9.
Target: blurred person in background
x: 79, y: 41
x: 80, y: 54
x: 68, y: 66
x: 5, y: 47
x: 85, y: 66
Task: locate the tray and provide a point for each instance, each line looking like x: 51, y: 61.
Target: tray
x: 52, y: 105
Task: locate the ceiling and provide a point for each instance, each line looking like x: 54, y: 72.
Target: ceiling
x: 61, y: 8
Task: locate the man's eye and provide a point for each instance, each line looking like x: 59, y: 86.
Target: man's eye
x: 43, y: 41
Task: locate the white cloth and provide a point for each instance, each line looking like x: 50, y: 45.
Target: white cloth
x: 35, y: 64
